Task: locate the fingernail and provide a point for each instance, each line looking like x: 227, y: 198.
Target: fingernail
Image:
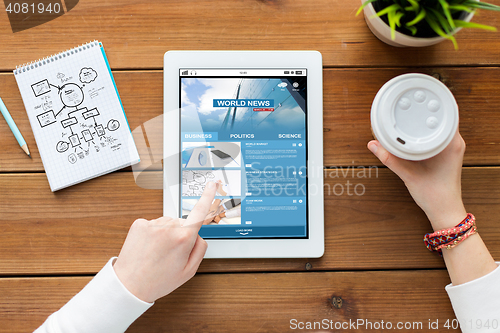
x: 210, y: 185
x: 373, y: 147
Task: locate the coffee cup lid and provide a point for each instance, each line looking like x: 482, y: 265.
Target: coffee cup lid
x: 414, y: 116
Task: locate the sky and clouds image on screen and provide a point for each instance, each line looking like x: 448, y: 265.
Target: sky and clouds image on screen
x: 199, y: 114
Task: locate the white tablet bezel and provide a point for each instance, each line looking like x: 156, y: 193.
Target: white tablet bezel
x: 312, y: 247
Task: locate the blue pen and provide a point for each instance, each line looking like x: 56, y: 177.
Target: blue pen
x: 13, y: 128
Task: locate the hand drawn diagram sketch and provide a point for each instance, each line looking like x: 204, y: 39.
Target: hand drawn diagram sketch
x: 69, y: 105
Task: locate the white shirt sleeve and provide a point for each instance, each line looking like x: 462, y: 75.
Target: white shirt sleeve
x: 103, y: 306
x: 477, y: 303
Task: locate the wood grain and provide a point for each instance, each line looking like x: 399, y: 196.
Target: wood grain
x: 348, y: 94
x: 76, y: 230
x: 255, y: 302
x: 137, y: 34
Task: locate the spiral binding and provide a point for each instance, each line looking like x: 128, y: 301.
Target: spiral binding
x: 24, y: 68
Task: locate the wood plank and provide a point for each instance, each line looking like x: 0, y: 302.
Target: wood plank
x: 76, y: 230
x: 136, y: 34
x: 255, y: 302
x: 348, y: 94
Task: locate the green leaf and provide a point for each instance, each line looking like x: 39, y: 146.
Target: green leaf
x: 439, y: 19
x: 412, y: 29
x: 447, y: 13
x: 481, y: 5
x: 366, y: 3
x: 418, y: 18
x: 387, y: 10
x: 392, y: 24
x: 414, y: 4
x: 397, y: 18
x: 463, y: 24
x: 433, y: 24
x: 461, y: 8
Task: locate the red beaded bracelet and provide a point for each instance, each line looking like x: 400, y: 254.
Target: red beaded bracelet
x: 451, y: 237
x: 457, y: 241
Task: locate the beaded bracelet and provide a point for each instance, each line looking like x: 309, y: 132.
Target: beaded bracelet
x: 457, y: 241
x: 447, y: 235
x: 453, y: 236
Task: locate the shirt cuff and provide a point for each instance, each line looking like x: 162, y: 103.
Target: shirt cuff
x: 104, y: 305
x: 476, y: 303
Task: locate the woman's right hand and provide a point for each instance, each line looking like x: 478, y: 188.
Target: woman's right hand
x: 160, y: 255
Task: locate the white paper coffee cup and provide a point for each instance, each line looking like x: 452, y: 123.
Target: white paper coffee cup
x: 414, y: 116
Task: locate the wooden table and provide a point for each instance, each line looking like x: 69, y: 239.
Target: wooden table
x: 375, y: 265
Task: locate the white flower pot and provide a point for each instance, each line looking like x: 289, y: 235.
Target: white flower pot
x: 383, y: 32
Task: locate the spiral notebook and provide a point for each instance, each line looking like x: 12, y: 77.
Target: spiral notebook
x: 76, y: 115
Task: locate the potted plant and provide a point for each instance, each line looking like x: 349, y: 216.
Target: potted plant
x: 421, y: 22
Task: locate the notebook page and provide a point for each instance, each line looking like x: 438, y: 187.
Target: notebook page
x: 76, y: 116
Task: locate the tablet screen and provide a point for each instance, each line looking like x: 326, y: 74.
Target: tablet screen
x: 245, y: 129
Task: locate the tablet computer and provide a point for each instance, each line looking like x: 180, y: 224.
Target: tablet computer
x: 251, y: 121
